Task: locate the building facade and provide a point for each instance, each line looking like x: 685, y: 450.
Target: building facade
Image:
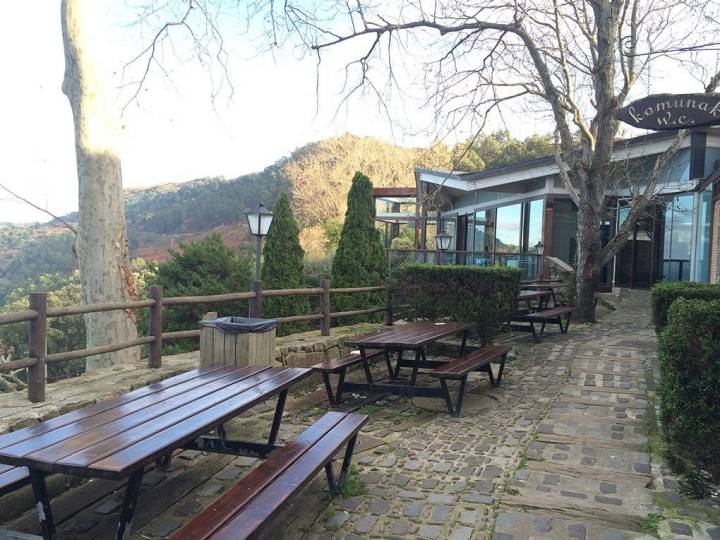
x: 507, y: 214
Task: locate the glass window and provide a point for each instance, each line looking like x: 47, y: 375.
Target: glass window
x: 507, y: 229
x: 534, y: 220
x: 449, y: 225
x: 678, y: 238
x: 484, y: 231
x: 702, y: 245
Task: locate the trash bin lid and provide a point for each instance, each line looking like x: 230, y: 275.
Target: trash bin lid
x: 241, y: 325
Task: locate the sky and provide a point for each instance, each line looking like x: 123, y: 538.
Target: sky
x: 175, y: 132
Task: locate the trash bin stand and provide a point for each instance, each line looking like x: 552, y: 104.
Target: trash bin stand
x: 218, y: 347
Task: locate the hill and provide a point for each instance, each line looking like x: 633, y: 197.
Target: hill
x: 318, y: 176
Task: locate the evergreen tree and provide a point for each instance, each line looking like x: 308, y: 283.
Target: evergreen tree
x: 360, y: 257
x: 283, y: 267
x: 201, y: 268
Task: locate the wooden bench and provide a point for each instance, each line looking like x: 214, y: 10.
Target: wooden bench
x: 460, y: 368
x: 245, y: 509
x: 339, y: 366
x: 12, y: 478
x: 558, y: 315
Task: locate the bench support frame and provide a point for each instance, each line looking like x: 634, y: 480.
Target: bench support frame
x: 336, y: 485
x: 454, y: 409
x: 563, y: 321
x: 223, y: 445
x: 42, y: 504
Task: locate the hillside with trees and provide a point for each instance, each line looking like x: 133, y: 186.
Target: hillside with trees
x: 318, y: 177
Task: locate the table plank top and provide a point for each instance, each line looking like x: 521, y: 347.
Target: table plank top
x: 543, y: 286
x: 410, y: 336
x: 532, y: 295
x: 113, y: 438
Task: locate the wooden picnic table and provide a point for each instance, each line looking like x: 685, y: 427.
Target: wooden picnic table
x: 541, y: 296
x: 546, y: 287
x: 115, y: 439
x: 406, y: 337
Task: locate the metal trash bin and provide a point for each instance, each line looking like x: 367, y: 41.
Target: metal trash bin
x: 237, y: 340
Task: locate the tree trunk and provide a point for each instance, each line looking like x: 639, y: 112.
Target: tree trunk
x: 588, y: 260
x: 101, y: 243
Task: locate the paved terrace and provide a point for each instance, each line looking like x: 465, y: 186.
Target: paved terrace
x: 562, y: 450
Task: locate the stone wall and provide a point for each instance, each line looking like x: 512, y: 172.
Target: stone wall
x: 296, y: 350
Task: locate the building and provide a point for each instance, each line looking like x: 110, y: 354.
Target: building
x: 500, y: 215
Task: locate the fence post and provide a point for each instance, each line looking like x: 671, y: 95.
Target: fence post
x: 255, y: 310
x: 37, y: 348
x: 156, y: 326
x: 388, y: 307
x: 325, y: 307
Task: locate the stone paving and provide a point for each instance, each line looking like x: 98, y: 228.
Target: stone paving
x: 560, y: 451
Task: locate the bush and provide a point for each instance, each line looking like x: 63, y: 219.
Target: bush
x: 485, y: 295
x: 663, y: 295
x: 201, y: 268
x: 690, y: 407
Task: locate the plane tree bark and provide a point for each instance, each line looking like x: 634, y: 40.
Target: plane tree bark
x: 101, y: 245
x: 574, y: 61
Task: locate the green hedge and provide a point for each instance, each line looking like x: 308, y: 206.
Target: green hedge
x: 485, y: 295
x: 663, y: 295
x: 690, y: 387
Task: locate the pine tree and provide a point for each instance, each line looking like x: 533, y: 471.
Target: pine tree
x: 360, y: 257
x: 283, y: 267
x: 201, y: 268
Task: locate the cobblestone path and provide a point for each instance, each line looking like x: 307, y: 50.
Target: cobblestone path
x: 560, y: 451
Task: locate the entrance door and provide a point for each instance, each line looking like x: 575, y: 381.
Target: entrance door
x: 636, y: 265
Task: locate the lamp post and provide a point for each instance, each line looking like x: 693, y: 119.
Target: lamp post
x: 540, y: 249
x: 442, y: 244
x: 259, y: 221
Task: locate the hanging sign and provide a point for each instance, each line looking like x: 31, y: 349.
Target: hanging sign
x: 672, y: 111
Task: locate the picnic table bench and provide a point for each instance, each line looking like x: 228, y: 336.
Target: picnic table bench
x: 558, y: 315
x: 414, y: 337
x: 115, y: 439
x: 245, y: 509
x: 11, y: 478
x: 339, y: 367
x: 460, y: 368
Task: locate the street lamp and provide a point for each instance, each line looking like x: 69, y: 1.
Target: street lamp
x: 259, y: 221
x: 540, y: 249
x: 442, y: 244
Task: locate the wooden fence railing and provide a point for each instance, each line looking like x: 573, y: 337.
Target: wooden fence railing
x: 39, y: 313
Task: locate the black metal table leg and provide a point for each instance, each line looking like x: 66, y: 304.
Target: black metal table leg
x: 397, y: 365
x: 328, y: 389
x: 279, y: 408
x: 419, y: 354
x: 464, y: 341
x: 129, y: 504
x: 366, y: 365
x: 388, y: 363
x: 42, y: 502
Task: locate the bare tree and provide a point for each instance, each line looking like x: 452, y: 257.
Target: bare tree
x: 101, y: 238
x: 577, y: 61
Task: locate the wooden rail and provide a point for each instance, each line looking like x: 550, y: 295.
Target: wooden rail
x: 39, y: 312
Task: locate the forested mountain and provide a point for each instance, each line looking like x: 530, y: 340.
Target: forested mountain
x: 318, y: 176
